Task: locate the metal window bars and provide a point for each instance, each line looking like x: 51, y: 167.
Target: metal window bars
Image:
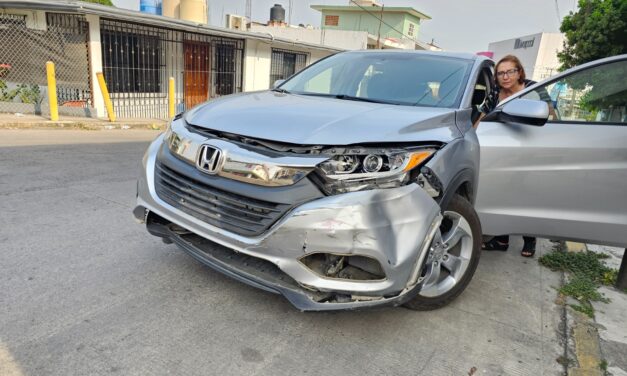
x: 139, y: 59
x: 285, y: 63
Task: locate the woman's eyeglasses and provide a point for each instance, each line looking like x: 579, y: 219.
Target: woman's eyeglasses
x: 507, y: 73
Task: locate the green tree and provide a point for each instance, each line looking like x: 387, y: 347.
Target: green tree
x: 103, y: 2
x: 598, y: 29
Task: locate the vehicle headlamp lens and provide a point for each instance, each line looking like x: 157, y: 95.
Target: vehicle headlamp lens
x: 370, y: 169
x: 373, y: 163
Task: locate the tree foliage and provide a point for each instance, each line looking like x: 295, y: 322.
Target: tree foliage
x: 598, y: 29
x: 103, y: 2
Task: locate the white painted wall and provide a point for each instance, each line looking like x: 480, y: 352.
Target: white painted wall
x: 347, y: 40
x: 95, y: 63
x: 527, y: 55
x: 35, y: 19
x: 539, y: 60
x: 547, y: 62
x: 258, y: 61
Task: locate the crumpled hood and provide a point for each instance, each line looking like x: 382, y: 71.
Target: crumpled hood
x: 310, y: 120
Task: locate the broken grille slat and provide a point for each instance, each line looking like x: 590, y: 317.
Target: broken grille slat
x: 237, y: 201
x: 235, y: 213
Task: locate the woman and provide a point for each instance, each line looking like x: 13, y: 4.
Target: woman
x: 510, y: 79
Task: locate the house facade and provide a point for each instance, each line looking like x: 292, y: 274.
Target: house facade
x: 137, y: 53
x: 387, y: 27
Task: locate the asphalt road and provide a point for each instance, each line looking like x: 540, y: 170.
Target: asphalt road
x: 84, y: 290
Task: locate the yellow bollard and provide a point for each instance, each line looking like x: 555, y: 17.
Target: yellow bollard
x: 105, y: 95
x: 171, y: 99
x: 52, y: 91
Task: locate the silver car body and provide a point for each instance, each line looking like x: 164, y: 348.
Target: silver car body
x: 393, y: 226
x: 559, y: 181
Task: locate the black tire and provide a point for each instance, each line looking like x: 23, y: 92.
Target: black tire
x: 461, y: 206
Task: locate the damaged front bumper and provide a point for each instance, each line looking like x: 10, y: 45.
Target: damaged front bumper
x: 392, y: 228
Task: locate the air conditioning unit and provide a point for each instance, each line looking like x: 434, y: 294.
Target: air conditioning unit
x: 235, y: 22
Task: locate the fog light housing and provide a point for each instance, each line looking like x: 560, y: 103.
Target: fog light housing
x: 344, y: 267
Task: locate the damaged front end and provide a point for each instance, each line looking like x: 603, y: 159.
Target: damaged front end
x: 327, y: 227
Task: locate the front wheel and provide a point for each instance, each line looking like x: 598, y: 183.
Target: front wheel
x: 453, y: 257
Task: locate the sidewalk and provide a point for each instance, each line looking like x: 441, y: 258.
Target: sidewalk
x: 24, y: 121
x: 611, y: 319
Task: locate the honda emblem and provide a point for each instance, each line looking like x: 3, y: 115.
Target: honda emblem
x: 210, y: 159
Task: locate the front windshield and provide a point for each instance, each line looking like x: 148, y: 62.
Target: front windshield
x: 397, y: 78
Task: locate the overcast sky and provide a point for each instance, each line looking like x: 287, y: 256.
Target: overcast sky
x: 456, y: 25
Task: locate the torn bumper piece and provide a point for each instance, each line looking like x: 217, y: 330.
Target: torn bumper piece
x: 391, y: 227
x: 264, y: 275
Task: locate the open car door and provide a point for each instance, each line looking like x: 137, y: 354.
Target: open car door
x: 566, y: 179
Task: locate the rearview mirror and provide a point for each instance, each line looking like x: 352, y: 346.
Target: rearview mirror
x: 277, y: 83
x: 525, y: 111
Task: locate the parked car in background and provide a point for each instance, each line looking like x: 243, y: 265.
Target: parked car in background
x: 353, y: 183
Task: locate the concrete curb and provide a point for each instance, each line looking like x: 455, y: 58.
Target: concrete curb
x: 587, y: 346
x: 74, y: 125
x: 585, y: 335
x: 576, y: 247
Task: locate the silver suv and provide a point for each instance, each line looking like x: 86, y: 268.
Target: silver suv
x: 352, y: 184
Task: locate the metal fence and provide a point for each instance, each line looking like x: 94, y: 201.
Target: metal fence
x: 285, y: 63
x: 138, y: 61
x: 26, y: 45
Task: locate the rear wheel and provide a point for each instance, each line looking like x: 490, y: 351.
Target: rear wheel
x: 453, y: 257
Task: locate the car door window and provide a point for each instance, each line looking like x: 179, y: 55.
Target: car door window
x: 593, y: 95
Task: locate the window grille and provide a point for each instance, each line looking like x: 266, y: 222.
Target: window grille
x: 139, y: 59
x: 285, y: 63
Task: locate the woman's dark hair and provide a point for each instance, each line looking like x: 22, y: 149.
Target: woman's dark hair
x: 514, y: 60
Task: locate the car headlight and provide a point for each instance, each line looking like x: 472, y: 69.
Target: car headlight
x: 362, y: 169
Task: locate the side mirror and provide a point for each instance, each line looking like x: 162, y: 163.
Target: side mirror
x: 277, y: 83
x: 525, y: 111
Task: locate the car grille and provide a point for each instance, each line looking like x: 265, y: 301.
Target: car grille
x: 232, y: 212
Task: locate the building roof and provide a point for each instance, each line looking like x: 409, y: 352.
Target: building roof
x: 73, y: 6
x: 355, y: 8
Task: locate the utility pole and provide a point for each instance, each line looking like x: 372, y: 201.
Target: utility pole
x: 379, y: 33
x: 289, y: 18
x: 249, y: 10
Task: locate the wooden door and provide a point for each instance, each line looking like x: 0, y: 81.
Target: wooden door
x: 197, y: 68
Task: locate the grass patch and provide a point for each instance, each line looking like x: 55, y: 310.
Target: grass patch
x: 585, y: 308
x: 585, y: 264
x: 587, y: 272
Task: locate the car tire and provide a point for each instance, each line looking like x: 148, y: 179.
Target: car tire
x: 460, y: 213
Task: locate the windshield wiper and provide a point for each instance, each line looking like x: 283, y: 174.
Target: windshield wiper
x: 361, y: 99
x: 348, y: 98
x: 279, y: 90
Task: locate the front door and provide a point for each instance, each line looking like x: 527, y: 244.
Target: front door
x: 568, y: 178
x: 197, y: 68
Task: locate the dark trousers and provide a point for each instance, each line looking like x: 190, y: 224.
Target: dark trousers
x: 530, y: 242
